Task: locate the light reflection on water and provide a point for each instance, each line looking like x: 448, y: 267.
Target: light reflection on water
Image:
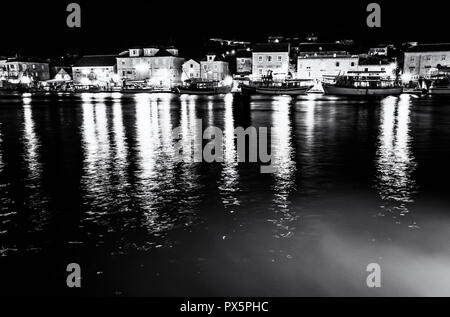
x: 135, y: 195
x: 229, y: 185
x: 395, y: 162
x: 285, y: 167
x: 37, y: 201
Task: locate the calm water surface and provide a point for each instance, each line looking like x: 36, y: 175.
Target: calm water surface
x: 94, y: 179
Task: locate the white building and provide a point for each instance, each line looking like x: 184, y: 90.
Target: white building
x: 158, y: 67
x: 213, y: 67
x: 316, y: 67
x: 378, y: 66
x: 191, y: 69
x: 96, y: 70
x: 425, y: 60
x: 270, y: 58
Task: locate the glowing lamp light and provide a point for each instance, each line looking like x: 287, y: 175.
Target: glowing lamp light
x: 115, y: 78
x: 25, y: 80
x: 142, y: 67
x: 228, y: 81
x: 85, y: 81
x: 406, y: 77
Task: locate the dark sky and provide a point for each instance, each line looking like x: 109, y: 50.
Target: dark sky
x: 39, y: 27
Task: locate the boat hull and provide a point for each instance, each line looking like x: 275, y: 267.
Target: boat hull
x: 214, y: 91
x: 348, y: 91
x: 439, y: 91
x: 295, y: 91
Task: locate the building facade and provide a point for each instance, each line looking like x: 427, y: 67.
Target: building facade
x: 24, y: 70
x: 316, y: 67
x: 316, y: 60
x: 381, y: 66
x: 244, y: 62
x: 158, y: 67
x: 96, y: 70
x: 213, y: 67
x: 425, y: 60
x: 191, y: 69
x: 270, y: 58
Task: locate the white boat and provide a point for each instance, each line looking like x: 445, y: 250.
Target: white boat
x: 292, y: 88
x: 440, y: 85
x: 203, y: 87
x: 362, y: 84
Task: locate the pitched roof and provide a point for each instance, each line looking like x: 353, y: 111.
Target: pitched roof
x: 96, y: 61
x: 27, y: 59
x: 163, y: 53
x: 322, y: 47
x: 217, y: 58
x: 437, y: 47
x: 271, y: 47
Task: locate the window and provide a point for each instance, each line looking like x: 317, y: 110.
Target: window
x: 337, y: 64
x: 279, y: 58
x: 242, y: 61
x: 269, y: 58
x: 428, y: 58
x: 259, y: 58
x: 33, y: 66
x: 260, y: 71
x: 443, y: 57
x: 412, y: 59
x: 352, y: 64
x: 383, y: 69
x: 192, y: 65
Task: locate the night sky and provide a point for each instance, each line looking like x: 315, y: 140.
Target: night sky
x: 39, y: 27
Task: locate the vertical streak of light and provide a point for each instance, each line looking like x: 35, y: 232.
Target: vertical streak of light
x: 36, y: 199
x: 229, y: 175
x: 284, y: 164
x: 96, y: 177
x: 149, y: 173
x: 395, y: 162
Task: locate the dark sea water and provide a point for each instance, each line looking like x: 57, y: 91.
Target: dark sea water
x: 93, y: 179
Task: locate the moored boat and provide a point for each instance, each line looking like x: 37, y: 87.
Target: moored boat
x: 207, y: 87
x: 273, y: 87
x: 362, y: 84
x: 440, y: 85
